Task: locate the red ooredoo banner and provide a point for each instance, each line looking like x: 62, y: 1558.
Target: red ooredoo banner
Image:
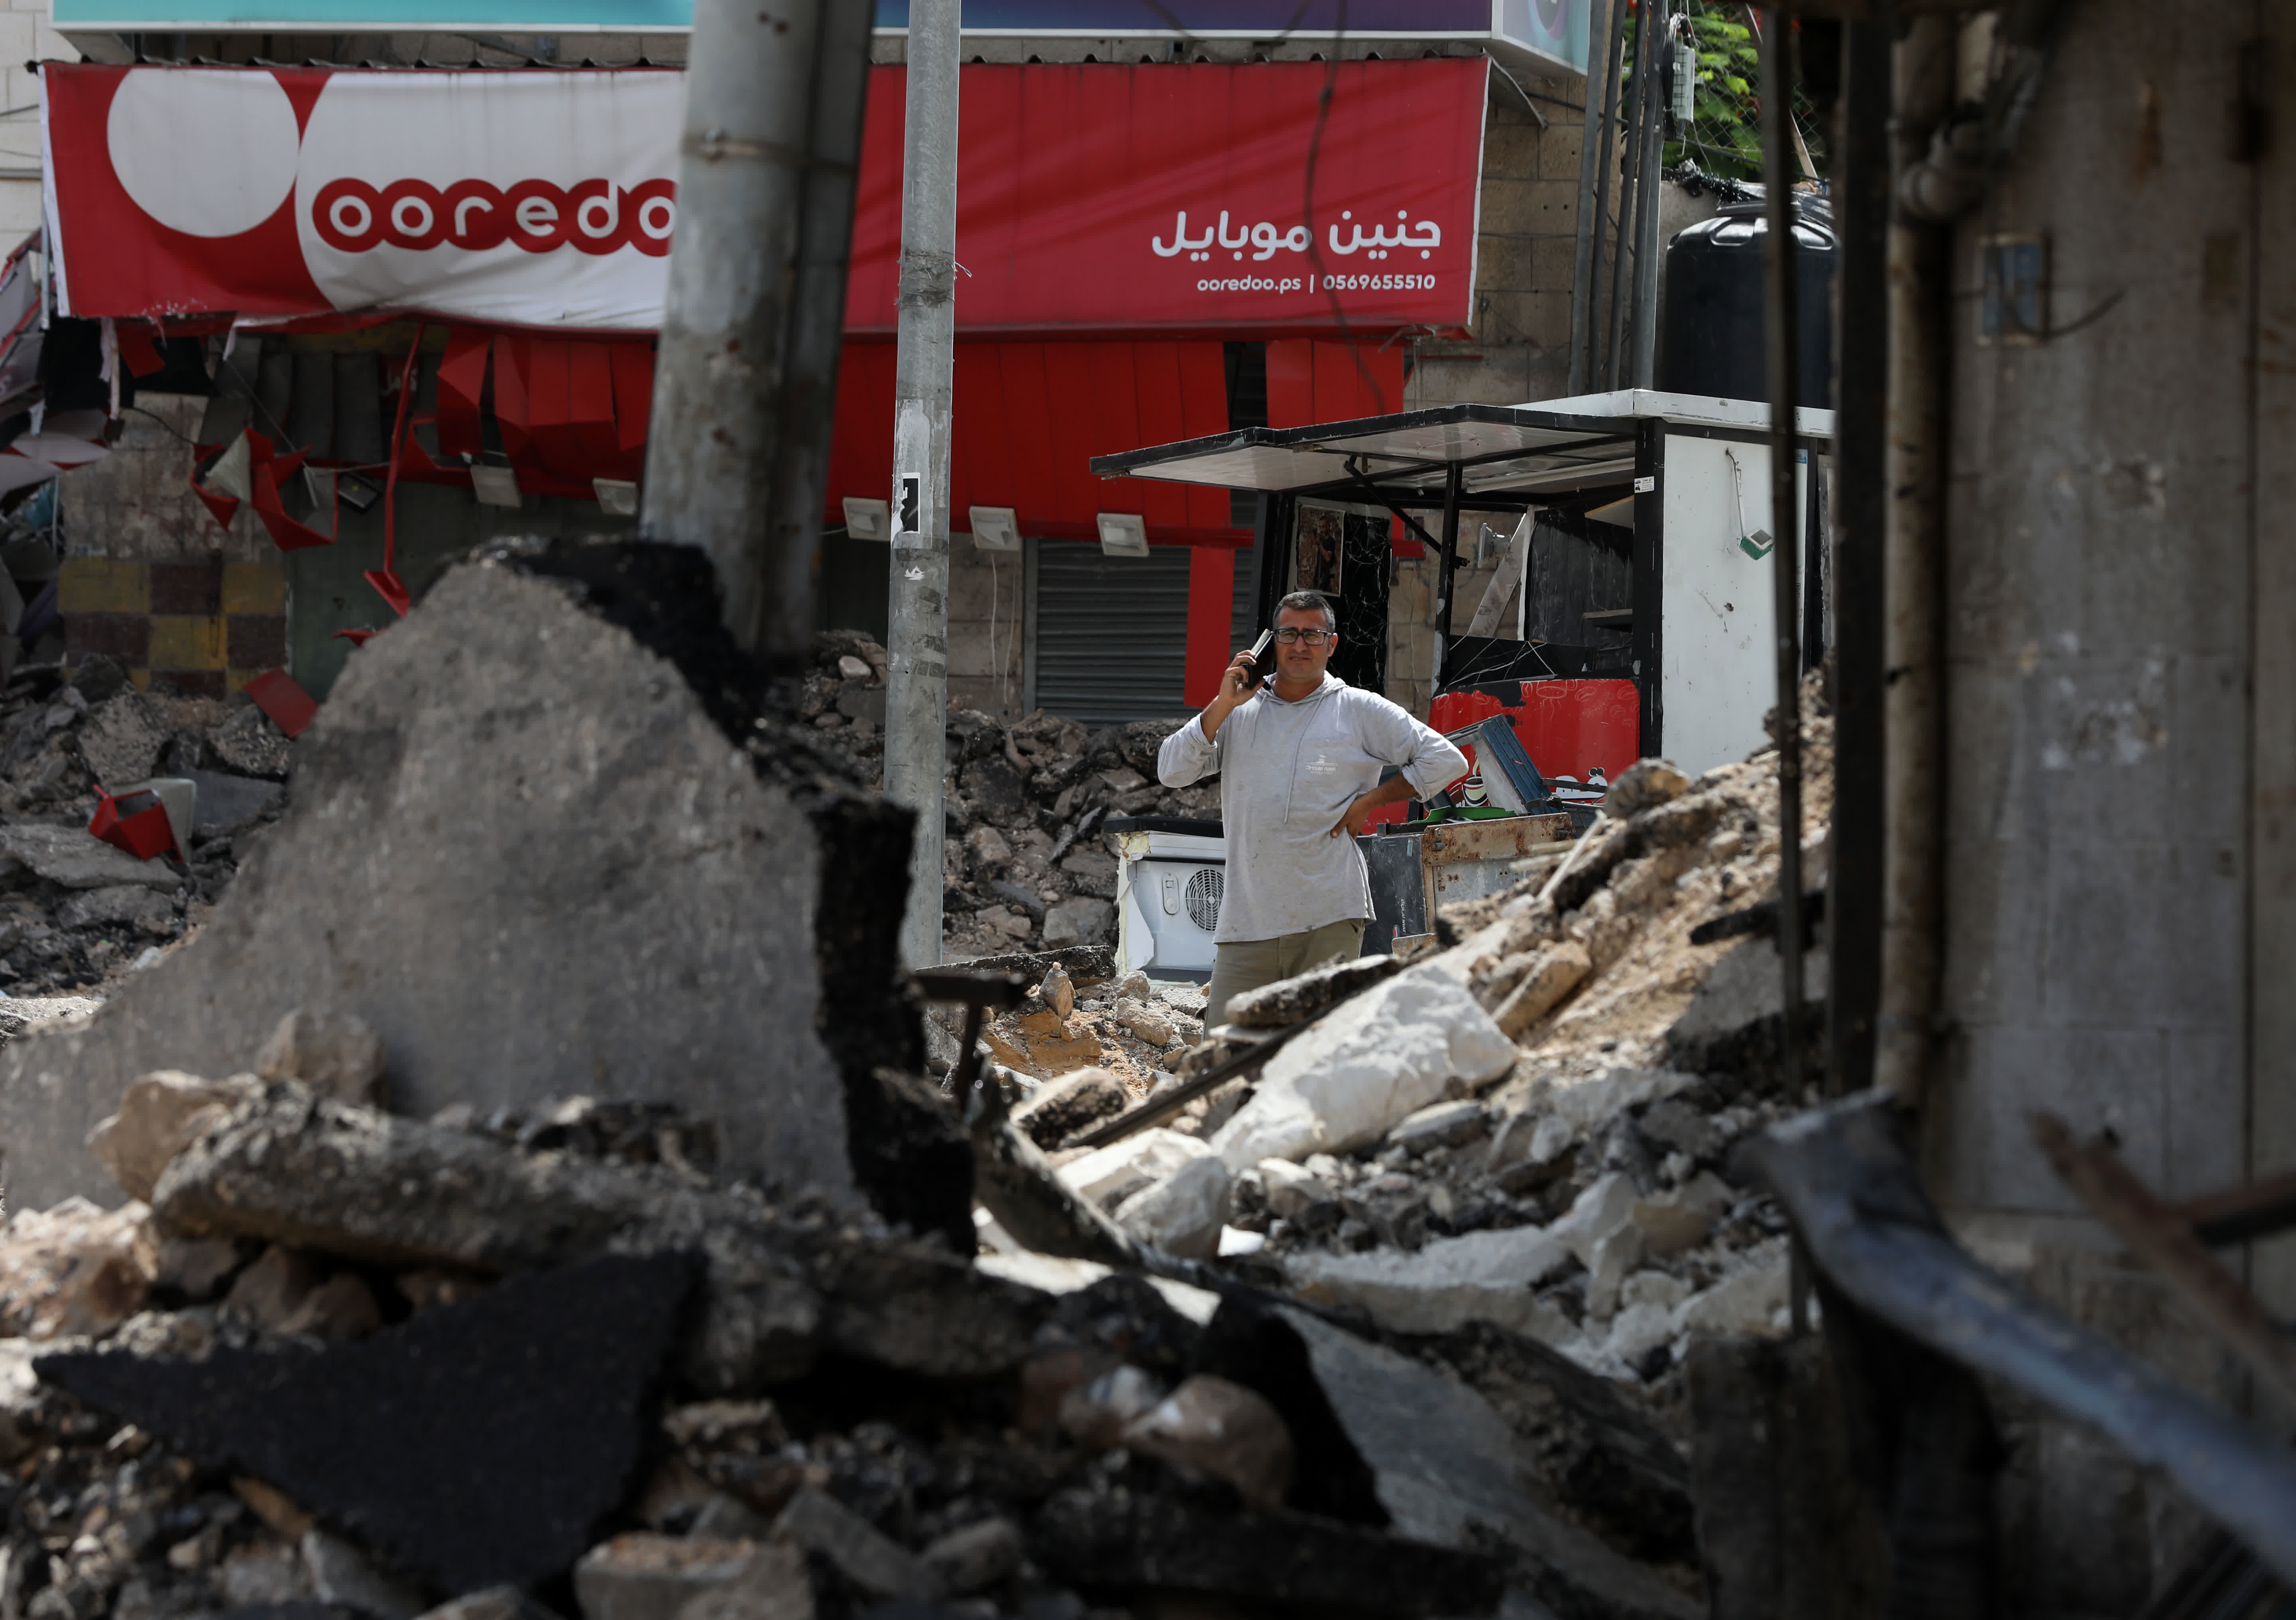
x: 1091, y: 197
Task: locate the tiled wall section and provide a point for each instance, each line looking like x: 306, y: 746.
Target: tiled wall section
x: 205, y: 626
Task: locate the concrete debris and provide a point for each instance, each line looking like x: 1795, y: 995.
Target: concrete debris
x: 1478, y: 1276
x: 1096, y: 1414
x: 643, y: 1576
x: 1181, y: 1215
x: 160, y: 1116
x: 1076, y: 1101
x: 413, y: 1426
x: 74, y: 1271
x: 1026, y: 860
x: 863, y: 1554
x: 1134, y: 1030
x: 337, y: 1054
x: 1223, y: 1429
x: 982, y: 1555
x: 1391, y: 1050
x: 1110, y: 1174
x: 513, y: 1346
x: 76, y: 912
x: 707, y: 863
x: 1288, y: 1000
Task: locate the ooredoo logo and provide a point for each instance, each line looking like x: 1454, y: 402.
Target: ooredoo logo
x: 541, y: 198
x: 353, y: 216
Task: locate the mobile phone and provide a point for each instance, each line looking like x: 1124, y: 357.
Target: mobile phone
x: 1259, y: 653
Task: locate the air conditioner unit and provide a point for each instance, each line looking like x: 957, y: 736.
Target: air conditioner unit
x: 1168, y: 893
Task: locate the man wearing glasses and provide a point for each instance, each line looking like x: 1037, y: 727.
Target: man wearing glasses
x: 1299, y: 763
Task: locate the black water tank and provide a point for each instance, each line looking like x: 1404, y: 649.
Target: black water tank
x: 1710, y: 331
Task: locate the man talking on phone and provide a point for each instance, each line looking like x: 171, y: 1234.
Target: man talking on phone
x: 1300, y: 762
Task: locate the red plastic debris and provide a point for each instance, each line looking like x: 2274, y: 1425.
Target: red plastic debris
x: 357, y: 638
x: 143, y: 830
x: 391, y: 589
x: 290, y: 707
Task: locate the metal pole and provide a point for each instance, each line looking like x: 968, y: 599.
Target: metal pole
x: 1853, y: 892
x: 1779, y: 329
x: 765, y: 189
x: 1914, y: 552
x: 1590, y: 205
x: 1630, y: 152
x: 1645, y: 371
x: 783, y: 619
x: 916, y: 679
x: 1454, y: 478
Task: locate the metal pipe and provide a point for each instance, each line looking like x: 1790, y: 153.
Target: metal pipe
x: 1913, y: 548
x: 1630, y: 155
x: 1592, y: 186
x: 1453, y: 479
x: 916, y: 662
x: 1854, y: 842
x: 766, y: 159
x: 1780, y: 272
x: 1644, y: 373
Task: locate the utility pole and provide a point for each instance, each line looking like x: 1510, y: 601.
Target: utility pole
x: 917, y: 678
x: 739, y: 448
x: 1642, y: 372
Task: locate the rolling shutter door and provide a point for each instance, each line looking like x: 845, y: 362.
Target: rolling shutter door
x: 1110, y: 633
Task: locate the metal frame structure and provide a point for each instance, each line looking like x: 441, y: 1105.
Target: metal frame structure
x: 1464, y: 458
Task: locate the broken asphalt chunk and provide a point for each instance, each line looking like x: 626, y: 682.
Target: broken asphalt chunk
x: 475, y: 1445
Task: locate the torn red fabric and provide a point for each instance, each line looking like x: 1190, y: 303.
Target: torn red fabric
x: 290, y: 707
x: 462, y: 381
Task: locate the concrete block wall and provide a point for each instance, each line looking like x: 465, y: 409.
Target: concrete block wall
x: 150, y: 578
x: 2120, y: 898
x: 1518, y: 347
x: 25, y: 37
x: 205, y: 626
x: 988, y: 628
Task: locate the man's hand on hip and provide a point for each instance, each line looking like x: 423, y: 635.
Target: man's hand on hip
x: 1357, y: 822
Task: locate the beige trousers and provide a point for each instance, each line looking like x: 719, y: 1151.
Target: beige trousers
x: 1247, y: 964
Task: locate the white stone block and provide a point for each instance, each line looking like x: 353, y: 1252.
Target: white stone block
x: 1747, y: 1301
x: 1182, y: 1214
x: 1393, y: 1049
x: 1605, y: 1206
x: 1122, y: 1168
x: 1484, y: 1276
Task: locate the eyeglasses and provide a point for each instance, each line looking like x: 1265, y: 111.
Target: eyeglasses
x: 1310, y: 638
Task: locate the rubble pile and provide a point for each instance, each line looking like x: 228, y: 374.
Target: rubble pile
x: 489, y: 1368
x: 75, y: 912
x: 1024, y: 805
x: 1532, y: 1123
x: 1134, y: 1029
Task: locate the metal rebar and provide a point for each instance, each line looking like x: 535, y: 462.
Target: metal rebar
x: 917, y: 661
x: 1920, y: 325
x: 1780, y: 270
x: 1446, y: 575
x: 1854, y: 842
